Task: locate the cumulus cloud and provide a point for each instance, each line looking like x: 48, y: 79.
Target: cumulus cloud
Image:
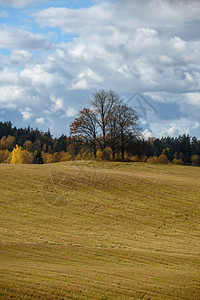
x: 21, y: 39
x: 9, y: 95
x: 167, y: 10
x: 40, y: 121
x: 87, y: 18
x: 169, y: 17
x: 17, y: 58
x: 27, y: 113
x: 175, y: 128
x: 118, y: 44
x: 149, y: 46
x: 20, y: 57
x: 8, y: 77
x: 19, y: 3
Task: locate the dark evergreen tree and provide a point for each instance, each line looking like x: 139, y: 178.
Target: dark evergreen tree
x: 38, y: 158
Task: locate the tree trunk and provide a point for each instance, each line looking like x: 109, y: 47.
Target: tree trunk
x: 113, y: 154
x: 104, y: 137
x: 123, y: 153
x: 95, y: 152
x: 95, y: 148
x: 122, y: 144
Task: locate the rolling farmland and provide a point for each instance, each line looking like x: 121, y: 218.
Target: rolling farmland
x: 94, y: 230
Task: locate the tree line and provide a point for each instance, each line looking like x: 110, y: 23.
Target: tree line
x: 30, y: 145
x: 108, y: 129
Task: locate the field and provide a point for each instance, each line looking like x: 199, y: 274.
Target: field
x: 84, y: 230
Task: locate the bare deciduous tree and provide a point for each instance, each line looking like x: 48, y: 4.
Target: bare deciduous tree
x: 109, y: 122
x: 128, y: 129
x: 103, y: 103
x: 85, y: 126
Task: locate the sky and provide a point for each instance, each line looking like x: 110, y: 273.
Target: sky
x: 54, y: 55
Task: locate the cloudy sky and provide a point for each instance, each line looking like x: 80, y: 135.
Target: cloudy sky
x: 55, y: 54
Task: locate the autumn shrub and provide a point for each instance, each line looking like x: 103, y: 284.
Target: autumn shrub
x: 4, y: 156
x: 118, y: 156
x: 99, y: 154
x: 127, y: 156
x: 143, y: 158
x: 177, y: 161
x: 78, y: 156
x: 134, y: 158
x: 162, y: 159
x: 195, y: 160
x: 152, y: 160
x: 178, y: 155
x: 137, y: 158
x: 64, y: 156
x: 87, y: 155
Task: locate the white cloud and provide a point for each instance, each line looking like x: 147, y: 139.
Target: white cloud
x: 57, y: 104
x: 40, y: 121
x: 67, y: 20
x: 27, y: 113
x: 176, y: 128
x: 21, y: 39
x: 71, y: 112
x: 38, y: 76
x: 20, y: 57
x: 170, y: 17
x: 19, y: 3
x: 9, y: 94
x: 120, y: 53
x: 8, y: 77
x: 162, y: 11
x: 151, y: 46
x: 86, y: 80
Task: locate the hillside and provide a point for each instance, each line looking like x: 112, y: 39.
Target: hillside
x: 84, y: 230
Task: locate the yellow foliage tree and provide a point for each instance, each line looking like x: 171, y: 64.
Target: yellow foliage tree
x: 47, y: 158
x: 17, y: 155
x: 55, y: 157
x: 4, y: 156
x: 64, y: 156
x: 99, y: 154
x: 71, y: 151
x: 28, y: 145
x: 7, y: 143
x: 27, y: 157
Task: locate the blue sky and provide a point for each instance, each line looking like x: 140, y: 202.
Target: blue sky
x: 55, y: 54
